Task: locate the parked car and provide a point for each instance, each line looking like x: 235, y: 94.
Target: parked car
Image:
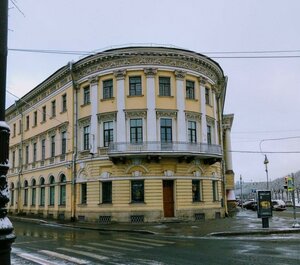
x: 278, y: 205
x: 250, y: 205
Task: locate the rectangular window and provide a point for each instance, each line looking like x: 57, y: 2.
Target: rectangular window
x: 164, y: 86
x: 83, y: 193
x: 44, y: 114
x: 190, y: 89
x: 27, y: 122
x: 53, y: 146
x: 53, y: 108
x: 63, y: 142
x: 137, y: 191
x: 107, y: 89
x: 207, y: 101
x: 107, y: 192
x: 51, y: 195
x: 20, y: 126
x: 27, y: 154
x: 33, y: 196
x: 209, y: 136
x: 86, y: 138
x: 86, y: 95
x: 108, y: 132
x: 25, y: 196
x: 166, y: 130
x: 43, y: 149
x: 192, y: 132
x: 62, y: 195
x: 196, y: 190
x: 14, y: 130
x: 13, y: 159
x: 64, y: 103
x: 215, y: 190
x: 34, y: 152
x: 135, y: 86
x: 136, y: 131
x: 42, y: 198
x: 35, y: 118
x: 20, y: 157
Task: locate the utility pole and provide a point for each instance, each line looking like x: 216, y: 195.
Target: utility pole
x: 295, y: 225
x: 241, y: 186
x: 7, y: 236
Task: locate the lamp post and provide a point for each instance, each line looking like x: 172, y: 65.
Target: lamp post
x: 6, y: 229
x: 266, y: 162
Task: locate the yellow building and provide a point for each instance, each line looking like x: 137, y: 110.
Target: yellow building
x: 134, y: 134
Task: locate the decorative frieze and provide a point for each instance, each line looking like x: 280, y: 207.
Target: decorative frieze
x: 107, y: 116
x: 189, y: 115
x: 166, y: 113
x: 141, y: 113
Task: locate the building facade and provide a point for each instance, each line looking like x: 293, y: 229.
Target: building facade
x: 134, y: 134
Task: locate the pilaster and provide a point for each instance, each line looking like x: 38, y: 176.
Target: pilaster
x: 180, y: 100
x: 94, y: 110
x: 202, y: 82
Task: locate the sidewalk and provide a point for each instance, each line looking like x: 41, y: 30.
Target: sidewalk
x: 245, y: 222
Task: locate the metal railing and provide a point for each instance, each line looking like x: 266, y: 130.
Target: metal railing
x: 159, y: 147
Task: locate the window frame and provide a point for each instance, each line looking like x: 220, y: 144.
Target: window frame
x: 137, y: 186
x: 108, y: 133
x: 190, y: 89
x: 83, y: 193
x: 136, y: 131
x: 86, y: 95
x: 64, y: 103
x: 164, y: 86
x: 108, y: 87
x: 135, y: 85
x: 196, y: 190
x: 166, y: 130
x: 53, y: 108
x: 86, y: 137
x: 192, y: 132
x: 106, y: 192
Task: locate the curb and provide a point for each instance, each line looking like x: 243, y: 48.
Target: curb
x: 256, y: 232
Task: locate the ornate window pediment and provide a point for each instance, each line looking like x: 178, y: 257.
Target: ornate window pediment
x: 138, y: 113
x: 166, y: 113
x: 84, y: 121
x: 192, y: 116
x: 107, y: 116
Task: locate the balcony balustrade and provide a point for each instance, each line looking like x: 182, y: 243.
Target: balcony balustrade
x: 165, y: 149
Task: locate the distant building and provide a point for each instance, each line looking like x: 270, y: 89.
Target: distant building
x: 134, y: 134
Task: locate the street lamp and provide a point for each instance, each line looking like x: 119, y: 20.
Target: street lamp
x: 266, y: 162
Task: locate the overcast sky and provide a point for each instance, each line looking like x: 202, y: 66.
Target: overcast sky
x: 263, y: 93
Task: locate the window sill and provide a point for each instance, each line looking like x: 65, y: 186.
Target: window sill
x: 42, y: 122
x: 52, y: 117
x: 85, y: 104
x: 105, y: 204
x: 192, y: 99
x: 63, y: 111
x: 107, y: 99
x: 165, y: 96
x: 134, y: 96
x: 137, y: 203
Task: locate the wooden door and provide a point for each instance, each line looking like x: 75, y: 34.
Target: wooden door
x: 168, y: 197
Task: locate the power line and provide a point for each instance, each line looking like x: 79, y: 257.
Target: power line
x: 16, y: 6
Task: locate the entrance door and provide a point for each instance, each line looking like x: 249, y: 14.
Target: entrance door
x: 168, y: 197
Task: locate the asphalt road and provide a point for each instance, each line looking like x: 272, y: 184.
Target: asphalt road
x: 49, y: 245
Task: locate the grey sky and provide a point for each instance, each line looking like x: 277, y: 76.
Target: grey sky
x: 262, y: 93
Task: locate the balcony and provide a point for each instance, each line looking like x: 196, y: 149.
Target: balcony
x: 174, y: 149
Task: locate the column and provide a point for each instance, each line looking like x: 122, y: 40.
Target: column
x: 227, y: 123
x: 215, y: 109
x: 151, y: 115
x: 180, y: 100
x: 94, y: 110
x: 121, y: 126
x: 202, y: 82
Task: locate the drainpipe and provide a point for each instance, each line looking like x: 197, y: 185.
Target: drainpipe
x: 75, y: 144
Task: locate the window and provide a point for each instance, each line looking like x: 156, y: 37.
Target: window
x: 42, y: 192
x: 135, y: 86
x: 13, y: 159
x: 12, y: 194
x: 14, y: 129
x: 43, y: 149
x: 136, y: 131
x: 52, y: 191
x: 86, y: 95
x: 35, y: 118
x: 164, y: 86
x: 209, y: 136
x: 33, y: 192
x: 107, y: 192
x: 107, y: 89
x: 34, y: 152
x: 190, y: 89
x: 64, y: 102
x: 25, y: 192
x: 137, y: 191
x: 108, y: 132
x: 207, y: 101
x: 27, y: 154
x: 83, y: 193
x: 62, y: 190
x: 63, y: 142
x: 192, y: 132
x: 53, y: 108
x: 215, y: 190
x: 44, y: 114
x: 53, y: 146
x: 27, y: 122
x: 166, y: 130
x: 20, y: 126
x: 20, y: 157
x: 196, y: 190
x: 86, y: 138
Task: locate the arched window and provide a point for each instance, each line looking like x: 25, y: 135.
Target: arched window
x: 62, y: 190
x: 25, y: 193
x: 42, y: 191
x: 52, y: 191
x: 33, y: 192
x: 12, y: 194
